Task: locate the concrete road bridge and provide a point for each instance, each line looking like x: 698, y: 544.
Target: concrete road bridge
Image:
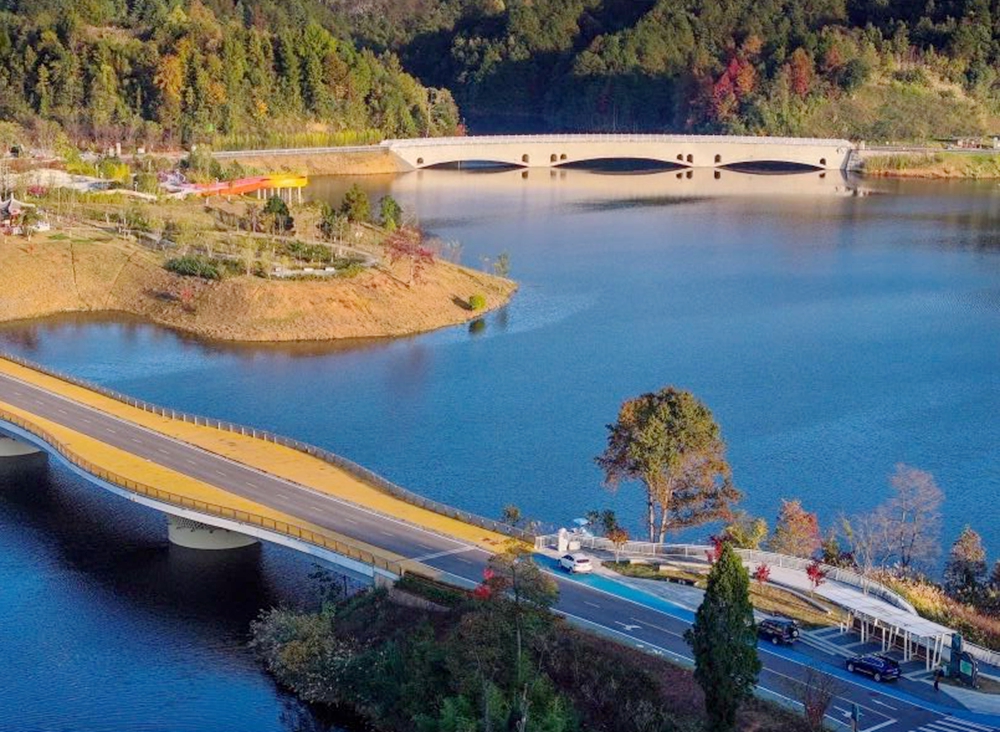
x: 687, y: 151
x: 223, y: 485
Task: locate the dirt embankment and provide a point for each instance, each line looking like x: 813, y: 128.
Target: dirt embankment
x: 370, y: 161
x: 47, y: 276
x: 933, y: 165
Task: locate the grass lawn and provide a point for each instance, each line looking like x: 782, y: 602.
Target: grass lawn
x: 768, y: 598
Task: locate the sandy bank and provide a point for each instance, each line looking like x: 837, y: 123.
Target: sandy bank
x: 370, y: 161
x: 45, y: 277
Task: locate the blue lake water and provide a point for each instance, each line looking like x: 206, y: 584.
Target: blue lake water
x: 832, y: 334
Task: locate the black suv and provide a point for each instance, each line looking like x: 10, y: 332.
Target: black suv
x: 778, y: 630
x: 879, y: 667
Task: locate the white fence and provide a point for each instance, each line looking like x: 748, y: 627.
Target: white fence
x: 750, y: 556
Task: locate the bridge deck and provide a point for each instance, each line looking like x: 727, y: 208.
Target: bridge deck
x: 195, y: 465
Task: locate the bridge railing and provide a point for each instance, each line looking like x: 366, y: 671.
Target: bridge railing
x: 212, y: 509
x: 348, y: 466
x: 611, y: 137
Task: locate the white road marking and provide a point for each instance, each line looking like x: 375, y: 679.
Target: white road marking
x: 435, y: 555
x: 627, y: 627
x: 281, y: 495
x: 880, y: 725
x: 883, y: 704
x: 592, y: 604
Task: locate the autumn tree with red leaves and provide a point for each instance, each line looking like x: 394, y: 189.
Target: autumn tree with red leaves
x: 762, y: 574
x: 407, y: 245
x: 801, y: 71
x: 816, y: 574
x: 796, y: 532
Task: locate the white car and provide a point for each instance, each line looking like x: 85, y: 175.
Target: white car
x: 576, y: 563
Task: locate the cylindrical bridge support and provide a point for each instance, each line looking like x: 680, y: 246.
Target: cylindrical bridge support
x: 196, y: 535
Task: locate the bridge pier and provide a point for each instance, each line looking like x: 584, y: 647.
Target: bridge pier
x: 11, y: 448
x: 195, y: 535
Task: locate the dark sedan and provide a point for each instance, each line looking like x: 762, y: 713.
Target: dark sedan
x: 879, y: 667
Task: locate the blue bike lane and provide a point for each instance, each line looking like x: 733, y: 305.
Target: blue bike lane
x: 902, y: 705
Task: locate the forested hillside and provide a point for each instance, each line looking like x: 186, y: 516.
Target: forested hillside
x: 172, y: 71
x: 881, y: 69
x: 259, y: 72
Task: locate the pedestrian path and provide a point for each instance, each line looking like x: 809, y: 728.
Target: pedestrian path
x: 953, y: 724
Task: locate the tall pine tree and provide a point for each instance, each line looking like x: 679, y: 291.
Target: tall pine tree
x: 724, y: 641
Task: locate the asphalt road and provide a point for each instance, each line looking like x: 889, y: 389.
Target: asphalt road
x: 639, y: 622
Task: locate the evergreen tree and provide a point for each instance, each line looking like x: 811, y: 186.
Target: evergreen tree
x: 724, y: 641
x: 966, y: 565
x: 356, y: 206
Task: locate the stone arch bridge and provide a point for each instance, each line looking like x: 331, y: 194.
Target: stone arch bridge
x: 688, y: 151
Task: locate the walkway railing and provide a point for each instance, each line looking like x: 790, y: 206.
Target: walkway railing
x: 362, y: 473
x: 211, y: 509
x: 750, y: 556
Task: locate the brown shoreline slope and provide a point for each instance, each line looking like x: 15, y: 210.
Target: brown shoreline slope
x: 370, y: 161
x: 45, y: 277
x: 945, y: 165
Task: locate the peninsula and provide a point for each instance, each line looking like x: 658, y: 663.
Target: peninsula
x: 239, y: 270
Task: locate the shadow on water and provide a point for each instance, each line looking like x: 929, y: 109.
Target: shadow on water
x: 123, y: 548
x: 26, y: 336
x: 116, y: 554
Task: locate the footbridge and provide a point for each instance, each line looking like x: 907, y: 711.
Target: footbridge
x: 224, y: 485
x: 687, y: 151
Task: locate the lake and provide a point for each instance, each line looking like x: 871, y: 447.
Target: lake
x: 835, y: 328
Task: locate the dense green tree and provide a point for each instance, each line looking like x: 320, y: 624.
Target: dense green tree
x: 390, y: 213
x: 276, y: 216
x: 724, y: 641
x: 355, y: 204
x: 670, y: 443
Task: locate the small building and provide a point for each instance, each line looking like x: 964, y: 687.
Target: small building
x: 11, y: 212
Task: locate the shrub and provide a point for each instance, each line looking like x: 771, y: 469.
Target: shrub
x: 147, y: 183
x: 198, y: 266
x: 477, y: 302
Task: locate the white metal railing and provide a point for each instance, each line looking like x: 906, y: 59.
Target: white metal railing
x: 585, y: 138
x: 224, y: 154
x: 750, y: 556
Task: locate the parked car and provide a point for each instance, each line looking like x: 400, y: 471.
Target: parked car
x: 879, y: 667
x: 778, y: 630
x: 576, y: 563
